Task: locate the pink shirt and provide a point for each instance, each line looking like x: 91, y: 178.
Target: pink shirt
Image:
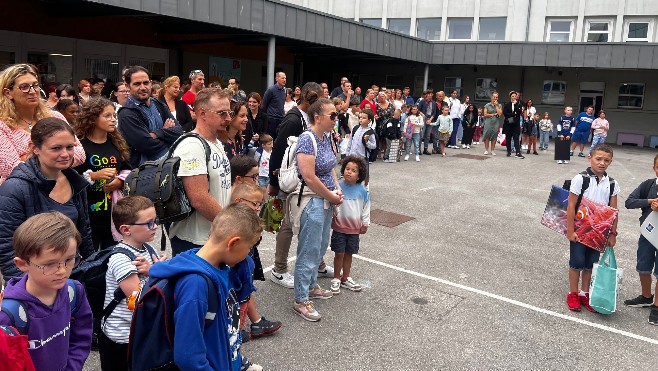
x: 601, y: 127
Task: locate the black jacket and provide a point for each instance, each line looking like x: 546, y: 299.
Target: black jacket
x: 25, y: 193
x: 183, y: 115
x: 291, y: 125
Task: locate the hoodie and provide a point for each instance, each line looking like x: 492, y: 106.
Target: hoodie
x: 197, y: 347
x: 57, y: 340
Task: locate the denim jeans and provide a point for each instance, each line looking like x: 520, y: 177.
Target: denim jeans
x: 416, y: 139
x: 428, y: 133
x: 543, y: 139
x: 456, y: 125
x: 312, y: 243
x: 582, y: 257
x: 597, y: 139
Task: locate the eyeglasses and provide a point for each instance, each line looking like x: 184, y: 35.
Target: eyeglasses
x: 52, y: 268
x: 332, y: 115
x: 151, y: 224
x: 223, y: 114
x: 254, y: 177
x: 257, y: 204
x: 124, y: 91
x: 25, y: 88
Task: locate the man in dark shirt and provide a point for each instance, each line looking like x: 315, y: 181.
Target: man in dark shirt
x: 338, y: 89
x: 512, y: 124
x: 273, y: 101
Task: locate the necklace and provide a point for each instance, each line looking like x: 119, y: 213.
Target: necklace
x: 29, y: 124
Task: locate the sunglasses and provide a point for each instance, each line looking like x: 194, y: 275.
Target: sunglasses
x: 151, y: 224
x: 223, y: 114
x: 332, y: 115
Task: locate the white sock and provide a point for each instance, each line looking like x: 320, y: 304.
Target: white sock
x: 257, y: 321
x: 582, y: 293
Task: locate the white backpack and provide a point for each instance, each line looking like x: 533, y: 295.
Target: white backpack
x: 288, y: 176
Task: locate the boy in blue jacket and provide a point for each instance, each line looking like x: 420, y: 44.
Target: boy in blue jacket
x: 566, y: 126
x: 216, y: 346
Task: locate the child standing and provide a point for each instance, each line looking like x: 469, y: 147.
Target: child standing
x: 531, y: 130
x: 583, y: 127
x: 351, y: 219
x: 59, y: 316
x: 478, y: 127
x: 645, y: 197
x: 565, y: 128
x: 445, y: 128
x: 545, y: 130
x: 362, y: 140
x: 392, y: 132
x: 13, y: 345
x: 134, y: 217
x: 413, y: 125
x: 581, y: 257
x: 263, y: 158
x: 600, y: 126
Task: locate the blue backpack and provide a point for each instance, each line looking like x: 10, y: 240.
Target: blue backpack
x: 151, y: 343
x: 17, y: 311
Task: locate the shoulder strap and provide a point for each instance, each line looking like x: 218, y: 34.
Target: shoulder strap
x: 206, y: 147
x: 612, y: 188
x: 583, y: 187
x: 213, y: 300
x: 354, y: 129
x: 17, y: 313
x: 73, y: 296
x: 118, y: 293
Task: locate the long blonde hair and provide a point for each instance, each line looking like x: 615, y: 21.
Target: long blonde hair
x: 169, y: 81
x: 8, y: 76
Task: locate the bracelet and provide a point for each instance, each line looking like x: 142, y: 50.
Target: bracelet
x: 87, y: 176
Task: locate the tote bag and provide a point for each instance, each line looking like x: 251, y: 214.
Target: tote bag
x: 605, y: 283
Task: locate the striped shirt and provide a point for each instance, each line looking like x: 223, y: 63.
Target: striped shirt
x: 120, y: 267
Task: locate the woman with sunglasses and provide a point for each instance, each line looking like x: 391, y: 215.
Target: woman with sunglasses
x: 45, y: 182
x: 20, y: 109
x: 232, y: 138
x: 169, y: 95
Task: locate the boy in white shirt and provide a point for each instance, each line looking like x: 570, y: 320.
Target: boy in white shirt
x: 263, y: 158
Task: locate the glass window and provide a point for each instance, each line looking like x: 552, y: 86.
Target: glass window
x: 157, y: 69
x: 460, y: 28
x: 105, y: 68
x: 631, y: 95
x: 401, y: 25
x: 377, y: 22
x: 559, y: 31
x: 429, y: 28
x: 453, y: 83
x: 54, y: 68
x: 598, y: 32
x: 637, y: 31
x: 492, y: 28
x: 554, y: 92
x: 6, y: 58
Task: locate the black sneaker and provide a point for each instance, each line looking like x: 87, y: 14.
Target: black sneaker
x: 639, y: 302
x: 518, y: 155
x: 653, y: 316
x: 264, y: 327
x: 509, y: 154
x: 245, y: 336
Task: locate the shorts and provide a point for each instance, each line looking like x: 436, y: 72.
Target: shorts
x: 444, y: 137
x: 582, y: 257
x: 647, y: 258
x: 344, y: 243
x: 580, y: 137
x: 263, y: 181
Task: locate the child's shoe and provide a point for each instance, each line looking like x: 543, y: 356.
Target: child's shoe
x: 584, y: 301
x: 351, y: 285
x: 406, y: 157
x: 639, y: 302
x: 560, y: 162
x: 328, y: 271
x: 581, y: 154
x: 335, y: 286
x: 566, y: 162
x: 417, y: 158
x: 249, y: 366
x: 264, y: 327
x: 571, y: 153
x: 573, y: 301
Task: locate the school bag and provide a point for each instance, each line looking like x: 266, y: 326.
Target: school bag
x: 289, y: 176
x: 158, y: 181
x: 367, y: 132
x: 151, y: 343
x: 16, y: 309
x: 586, y: 180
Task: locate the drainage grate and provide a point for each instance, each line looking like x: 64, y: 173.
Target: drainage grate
x: 471, y: 157
x: 388, y: 219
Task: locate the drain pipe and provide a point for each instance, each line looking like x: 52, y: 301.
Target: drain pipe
x: 527, y: 21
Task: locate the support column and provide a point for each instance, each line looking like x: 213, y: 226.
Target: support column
x: 271, y: 49
x: 426, y: 77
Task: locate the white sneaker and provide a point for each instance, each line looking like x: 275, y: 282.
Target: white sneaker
x: 559, y: 162
x: 335, y: 286
x: 286, y: 280
x: 493, y: 153
x: 468, y: 147
x: 328, y: 271
x: 417, y: 158
x: 566, y: 162
x: 486, y: 153
x: 406, y: 157
x: 464, y: 146
x: 351, y: 285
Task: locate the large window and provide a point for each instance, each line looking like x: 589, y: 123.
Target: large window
x: 429, y: 28
x: 559, y: 30
x: 554, y: 92
x: 54, y: 68
x: 631, y: 95
x: 637, y: 31
x: 453, y: 83
x: 401, y: 25
x: 598, y: 31
x: 492, y: 28
x: 460, y: 28
x: 377, y: 22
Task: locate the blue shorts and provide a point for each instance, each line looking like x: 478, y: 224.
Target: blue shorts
x: 344, y: 243
x: 582, y: 257
x: 647, y: 258
x: 580, y: 137
x: 263, y: 181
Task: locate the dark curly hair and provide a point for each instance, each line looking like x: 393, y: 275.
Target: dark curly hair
x: 86, y: 122
x: 360, y: 164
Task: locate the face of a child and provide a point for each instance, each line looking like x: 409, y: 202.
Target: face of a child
x: 480, y: 111
x: 50, y: 269
x: 536, y: 116
x: 445, y: 110
x: 250, y: 177
x: 140, y: 232
x: 267, y: 147
x: 599, y: 161
x: 351, y: 173
x: 396, y: 114
x: 602, y: 115
x: 568, y: 111
x: 253, y: 201
x: 363, y: 119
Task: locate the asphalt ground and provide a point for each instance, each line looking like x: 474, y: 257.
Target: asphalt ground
x: 474, y: 282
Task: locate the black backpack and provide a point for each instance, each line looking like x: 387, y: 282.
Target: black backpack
x: 151, y: 344
x: 586, y: 180
x: 158, y: 181
x: 368, y: 132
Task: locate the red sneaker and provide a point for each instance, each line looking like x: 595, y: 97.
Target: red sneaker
x: 573, y: 302
x: 584, y: 301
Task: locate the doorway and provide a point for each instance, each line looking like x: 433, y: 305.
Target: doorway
x: 591, y: 94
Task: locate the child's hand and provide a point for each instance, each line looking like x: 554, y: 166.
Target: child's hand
x: 572, y: 236
x: 160, y: 258
x: 142, y: 265
x: 654, y: 204
x: 363, y: 229
x: 612, y: 240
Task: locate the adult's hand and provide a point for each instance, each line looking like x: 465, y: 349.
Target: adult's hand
x: 169, y: 123
x: 107, y: 174
x: 272, y: 190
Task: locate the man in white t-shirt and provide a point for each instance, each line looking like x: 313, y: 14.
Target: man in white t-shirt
x: 455, y: 108
x: 207, y: 185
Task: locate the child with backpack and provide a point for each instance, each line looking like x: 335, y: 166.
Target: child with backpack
x: 127, y: 269
x: 645, y: 197
x: 13, y: 345
x: 205, y: 327
x: 263, y: 157
x: 593, y: 184
x: 351, y: 219
x: 566, y: 126
x: 362, y: 140
x: 392, y: 135
x: 44, y: 303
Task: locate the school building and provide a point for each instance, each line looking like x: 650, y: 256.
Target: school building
x: 559, y: 52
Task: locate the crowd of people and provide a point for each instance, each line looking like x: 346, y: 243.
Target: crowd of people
x: 64, y: 157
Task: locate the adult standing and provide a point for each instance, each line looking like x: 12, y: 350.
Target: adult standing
x: 197, y: 82
x: 462, y: 111
x: 338, y: 90
x: 20, y: 109
x: 234, y: 87
x: 232, y: 138
x: 43, y: 183
x: 346, y: 95
x: 316, y: 160
x: 52, y: 100
x: 257, y: 124
x: 428, y: 109
x: 147, y: 124
x: 397, y: 99
x: 357, y: 94
x: 293, y: 125
x: 369, y: 101
x: 512, y: 111
x: 384, y: 114
x: 273, y: 101
x: 66, y: 91
x: 492, y: 113
x: 85, y: 91
x: 455, y: 107
x: 406, y: 96
x: 297, y: 96
x: 289, y: 103
x: 169, y: 96
x: 120, y: 95
x: 529, y: 111
x: 207, y: 184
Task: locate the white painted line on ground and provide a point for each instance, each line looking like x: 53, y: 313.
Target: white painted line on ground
x: 265, y: 270
x: 426, y: 189
x: 511, y: 301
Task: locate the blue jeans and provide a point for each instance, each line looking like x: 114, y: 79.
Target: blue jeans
x: 544, y: 137
x: 312, y: 243
x: 647, y: 258
x: 263, y: 181
x: 582, y: 257
x: 597, y: 139
x: 426, y: 136
x: 456, y: 124
x: 415, y: 138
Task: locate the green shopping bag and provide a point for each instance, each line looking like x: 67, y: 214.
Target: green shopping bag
x: 603, y: 289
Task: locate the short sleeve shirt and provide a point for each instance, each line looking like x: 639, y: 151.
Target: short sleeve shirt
x: 196, y: 228
x: 598, y: 189
x: 491, y: 109
x: 325, y: 160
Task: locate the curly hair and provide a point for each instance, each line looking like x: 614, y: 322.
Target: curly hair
x: 360, y: 164
x: 86, y: 122
x: 8, y: 76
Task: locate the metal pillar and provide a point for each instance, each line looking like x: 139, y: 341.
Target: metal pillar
x: 426, y: 76
x: 271, y: 44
